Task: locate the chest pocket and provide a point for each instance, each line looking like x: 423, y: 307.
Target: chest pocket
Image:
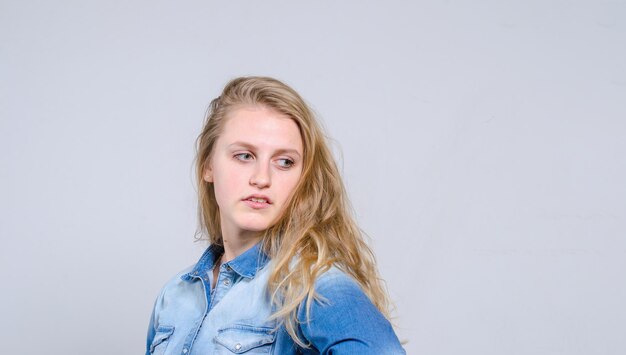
x: 159, y: 343
x: 245, y: 339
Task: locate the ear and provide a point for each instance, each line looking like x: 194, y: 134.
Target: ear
x: 207, y: 174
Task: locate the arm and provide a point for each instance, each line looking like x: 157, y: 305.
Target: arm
x: 347, y: 322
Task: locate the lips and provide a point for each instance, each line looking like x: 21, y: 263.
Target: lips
x: 258, y: 199
x: 257, y: 202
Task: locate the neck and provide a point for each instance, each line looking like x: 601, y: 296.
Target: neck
x: 237, y: 244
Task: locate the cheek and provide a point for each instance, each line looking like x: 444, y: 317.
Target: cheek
x: 289, y: 184
x: 226, y: 188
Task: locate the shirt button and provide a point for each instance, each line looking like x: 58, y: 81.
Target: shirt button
x: 185, y: 351
x: 237, y: 346
x: 226, y: 282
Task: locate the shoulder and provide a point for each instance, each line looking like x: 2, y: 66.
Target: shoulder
x: 335, y: 283
x: 336, y: 292
x: 180, y: 297
x: 178, y: 277
x: 174, y: 283
x: 342, y: 318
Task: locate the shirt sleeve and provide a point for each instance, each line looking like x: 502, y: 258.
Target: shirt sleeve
x: 345, y: 321
x: 151, y: 331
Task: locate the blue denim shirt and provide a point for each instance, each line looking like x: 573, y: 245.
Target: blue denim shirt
x: 189, y: 318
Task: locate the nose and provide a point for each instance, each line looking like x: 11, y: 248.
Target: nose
x: 261, y: 176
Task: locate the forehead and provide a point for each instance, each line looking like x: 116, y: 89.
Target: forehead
x: 261, y: 127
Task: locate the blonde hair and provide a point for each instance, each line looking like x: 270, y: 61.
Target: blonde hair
x: 316, y: 229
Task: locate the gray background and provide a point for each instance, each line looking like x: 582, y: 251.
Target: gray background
x: 482, y: 143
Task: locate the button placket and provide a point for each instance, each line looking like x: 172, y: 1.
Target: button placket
x: 227, y: 274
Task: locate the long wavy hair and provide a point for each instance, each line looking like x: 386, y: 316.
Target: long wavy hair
x: 316, y: 229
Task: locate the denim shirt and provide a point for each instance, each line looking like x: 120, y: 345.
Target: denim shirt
x: 189, y: 318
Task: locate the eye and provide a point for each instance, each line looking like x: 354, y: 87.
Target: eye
x: 243, y: 156
x: 285, y: 163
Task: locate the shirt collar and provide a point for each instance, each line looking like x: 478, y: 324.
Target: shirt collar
x: 247, y: 264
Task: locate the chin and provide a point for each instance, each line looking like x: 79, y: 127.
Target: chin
x: 255, y: 222
x: 255, y: 226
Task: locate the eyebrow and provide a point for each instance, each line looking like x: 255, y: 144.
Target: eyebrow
x: 252, y: 147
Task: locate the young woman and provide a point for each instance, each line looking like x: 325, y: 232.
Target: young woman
x: 287, y: 270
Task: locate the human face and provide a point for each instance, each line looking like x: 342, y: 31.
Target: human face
x: 254, y: 167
